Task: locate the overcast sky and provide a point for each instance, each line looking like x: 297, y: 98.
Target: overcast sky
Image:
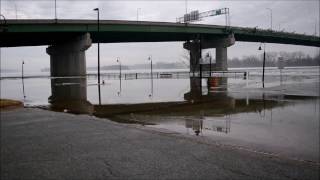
x: 301, y: 16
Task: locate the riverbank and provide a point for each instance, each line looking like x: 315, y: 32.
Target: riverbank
x: 40, y: 144
x: 9, y: 104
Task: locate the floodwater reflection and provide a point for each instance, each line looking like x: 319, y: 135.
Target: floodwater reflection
x: 266, y: 122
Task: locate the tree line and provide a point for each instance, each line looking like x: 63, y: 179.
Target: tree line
x: 290, y: 59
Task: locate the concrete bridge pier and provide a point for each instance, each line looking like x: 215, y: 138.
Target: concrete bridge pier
x: 220, y: 44
x: 68, y: 60
x: 221, y: 59
x: 195, y: 54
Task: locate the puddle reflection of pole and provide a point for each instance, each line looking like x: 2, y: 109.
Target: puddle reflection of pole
x: 281, y: 78
x: 151, y: 74
x: 271, y: 117
x: 247, y: 99
x: 118, y: 61
x: 264, y: 106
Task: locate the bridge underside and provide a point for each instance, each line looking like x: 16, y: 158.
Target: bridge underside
x: 38, y: 39
x: 43, y: 38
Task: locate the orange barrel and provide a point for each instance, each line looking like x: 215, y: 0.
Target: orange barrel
x: 213, y: 82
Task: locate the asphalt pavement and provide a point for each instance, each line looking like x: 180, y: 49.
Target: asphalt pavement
x: 41, y: 144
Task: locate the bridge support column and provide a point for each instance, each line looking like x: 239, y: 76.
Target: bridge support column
x: 221, y: 44
x: 69, y: 60
x: 221, y: 59
x: 195, y: 54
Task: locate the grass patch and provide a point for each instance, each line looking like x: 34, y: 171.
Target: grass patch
x: 4, y: 103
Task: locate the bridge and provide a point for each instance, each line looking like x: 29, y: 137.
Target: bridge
x: 47, y: 32
x: 68, y: 39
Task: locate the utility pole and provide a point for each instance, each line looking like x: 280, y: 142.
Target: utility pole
x: 138, y: 9
x: 210, y: 64
x: 22, y: 78
x: 270, y: 16
x: 186, y: 6
x: 22, y: 73
x: 15, y: 7
x: 55, y: 10
x: 98, y: 18
x: 315, y: 28
x: 150, y: 59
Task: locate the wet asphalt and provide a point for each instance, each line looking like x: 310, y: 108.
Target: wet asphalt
x: 40, y: 144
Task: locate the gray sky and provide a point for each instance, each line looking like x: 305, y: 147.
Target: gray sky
x: 300, y: 16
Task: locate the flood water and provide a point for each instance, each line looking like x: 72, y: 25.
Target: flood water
x: 282, y: 118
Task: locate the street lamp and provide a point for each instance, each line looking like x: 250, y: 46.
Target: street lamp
x: 16, y: 10
x: 264, y: 61
x: 210, y: 68
x: 270, y: 16
x: 97, y: 9
x: 22, y: 75
x: 55, y: 10
x: 118, y: 61
x: 150, y: 59
x: 22, y: 78
x: 138, y: 9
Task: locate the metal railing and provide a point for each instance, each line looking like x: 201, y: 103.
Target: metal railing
x: 145, y: 75
x: 172, y: 75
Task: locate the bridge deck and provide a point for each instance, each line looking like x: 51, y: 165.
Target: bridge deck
x: 46, y: 32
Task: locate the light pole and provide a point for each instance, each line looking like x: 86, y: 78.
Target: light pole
x: 138, y: 9
x: 150, y: 59
x: 270, y: 16
x: 22, y: 78
x: 210, y: 69
x: 315, y: 28
x: 16, y: 10
x: 22, y: 74
x: 118, y: 61
x: 55, y: 10
x: 264, y: 61
x: 97, y: 9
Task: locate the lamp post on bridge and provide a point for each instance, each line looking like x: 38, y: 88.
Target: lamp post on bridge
x: 138, y: 9
x: 16, y: 10
x: 98, y: 22
x: 55, y: 10
x: 270, y: 16
x: 264, y: 61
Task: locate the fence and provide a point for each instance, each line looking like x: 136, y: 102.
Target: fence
x: 172, y: 75
x: 155, y: 75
